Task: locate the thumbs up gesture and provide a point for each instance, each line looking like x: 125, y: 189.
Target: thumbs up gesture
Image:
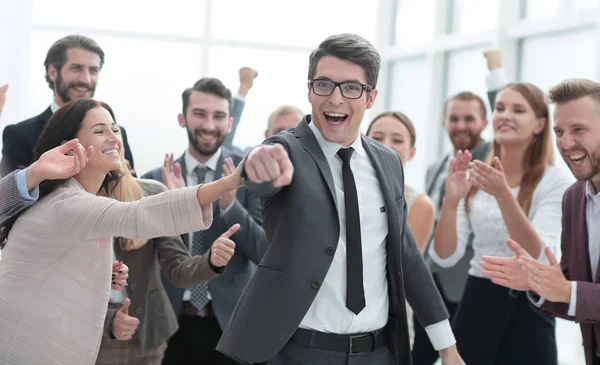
x: 124, y: 326
x: 223, y: 248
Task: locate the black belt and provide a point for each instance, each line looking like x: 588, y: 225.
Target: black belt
x: 351, y: 344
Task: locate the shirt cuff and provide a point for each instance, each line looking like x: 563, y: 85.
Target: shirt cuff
x: 496, y: 79
x: 448, y: 261
x: 535, y: 299
x: 239, y: 97
x: 440, y: 335
x: 573, y: 303
x: 224, y: 211
x: 29, y: 196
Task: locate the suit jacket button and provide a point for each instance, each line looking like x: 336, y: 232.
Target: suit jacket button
x: 330, y: 251
x: 316, y: 284
x: 139, y: 311
x: 133, y: 286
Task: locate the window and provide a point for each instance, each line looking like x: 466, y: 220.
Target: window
x: 282, y: 78
x: 301, y: 23
x: 174, y: 17
x: 474, y: 16
x: 536, y: 9
x: 409, y: 95
x: 415, y: 21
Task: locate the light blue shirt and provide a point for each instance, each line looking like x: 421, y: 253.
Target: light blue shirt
x: 28, y: 196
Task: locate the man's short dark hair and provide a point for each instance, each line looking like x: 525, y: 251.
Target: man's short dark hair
x: 57, y: 54
x: 349, y: 47
x: 208, y: 85
x: 467, y: 96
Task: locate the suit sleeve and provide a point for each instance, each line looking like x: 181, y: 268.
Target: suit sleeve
x: 421, y: 292
x: 110, y: 316
x: 264, y: 190
x: 11, y: 200
x: 128, y: 154
x: 168, y: 214
x: 251, y: 238
x: 237, y: 107
x: 15, y: 153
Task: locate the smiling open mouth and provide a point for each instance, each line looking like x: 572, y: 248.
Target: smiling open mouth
x: 335, y: 118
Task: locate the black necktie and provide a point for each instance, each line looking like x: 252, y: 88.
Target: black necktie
x: 355, y: 292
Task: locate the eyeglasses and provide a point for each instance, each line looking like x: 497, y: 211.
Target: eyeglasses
x: 349, y: 89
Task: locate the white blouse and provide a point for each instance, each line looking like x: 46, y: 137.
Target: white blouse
x: 485, y: 222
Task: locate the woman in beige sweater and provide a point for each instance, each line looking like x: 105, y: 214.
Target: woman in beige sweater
x: 55, y: 272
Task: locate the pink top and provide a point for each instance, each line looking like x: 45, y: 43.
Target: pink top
x: 55, y: 270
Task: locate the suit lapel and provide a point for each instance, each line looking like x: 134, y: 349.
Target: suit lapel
x: 184, y: 172
x: 311, y: 145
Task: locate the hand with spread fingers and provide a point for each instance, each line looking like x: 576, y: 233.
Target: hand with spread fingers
x: 120, y: 273
x: 548, y: 281
x: 171, y: 173
x: 223, y: 248
x: 507, y: 271
x: 457, y: 184
x: 490, y: 179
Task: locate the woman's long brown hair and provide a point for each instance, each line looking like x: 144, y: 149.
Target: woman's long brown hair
x: 539, y: 154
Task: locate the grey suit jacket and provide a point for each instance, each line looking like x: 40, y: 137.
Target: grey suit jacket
x: 452, y: 280
x: 301, y: 222
x: 237, y: 107
x: 149, y: 300
x: 250, y: 240
x: 11, y: 201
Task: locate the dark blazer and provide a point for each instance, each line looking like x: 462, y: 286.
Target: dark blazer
x: 149, y: 301
x: 250, y: 241
x: 301, y: 222
x: 575, y: 264
x: 19, y: 141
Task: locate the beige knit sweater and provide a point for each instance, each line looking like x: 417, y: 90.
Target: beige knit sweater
x: 55, y: 270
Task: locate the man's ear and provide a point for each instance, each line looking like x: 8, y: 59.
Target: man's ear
x: 371, y: 98
x: 52, y: 73
x: 181, y: 120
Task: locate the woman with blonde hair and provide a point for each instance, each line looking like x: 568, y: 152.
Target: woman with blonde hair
x: 516, y: 194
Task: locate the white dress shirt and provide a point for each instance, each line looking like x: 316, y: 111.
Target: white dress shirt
x: 490, y: 233
x: 328, y: 312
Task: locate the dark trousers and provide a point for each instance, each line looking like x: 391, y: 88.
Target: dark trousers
x: 423, y: 352
x: 195, y: 343
x: 497, y: 326
x: 293, y: 354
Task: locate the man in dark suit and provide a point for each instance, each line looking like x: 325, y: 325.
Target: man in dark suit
x: 571, y: 289
x: 342, y: 260
x: 73, y: 65
x: 464, y: 120
x: 205, y: 310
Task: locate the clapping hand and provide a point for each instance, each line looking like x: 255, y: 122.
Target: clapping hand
x: 228, y: 198
x: 548, y: 281
x: 171, y: 173
x: 490, y: 179
x: 507, y: 271
x: 457, y: 184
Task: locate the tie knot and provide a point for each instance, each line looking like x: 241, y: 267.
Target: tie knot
x: 200, y: 172
x: 345, y: 154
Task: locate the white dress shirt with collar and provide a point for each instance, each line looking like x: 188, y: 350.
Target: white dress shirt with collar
x: 328, y: 312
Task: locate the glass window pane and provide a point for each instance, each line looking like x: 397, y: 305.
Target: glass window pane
x: 282, y: 78
x: 474, y: 16
x: 547, y: 60
x: 536, y: 9
x: 146, y: 96
x: 299, y: 23
x: 415, y: 20
x: 467, y: 70
x: 175, y: 17
x: 409, y: 95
